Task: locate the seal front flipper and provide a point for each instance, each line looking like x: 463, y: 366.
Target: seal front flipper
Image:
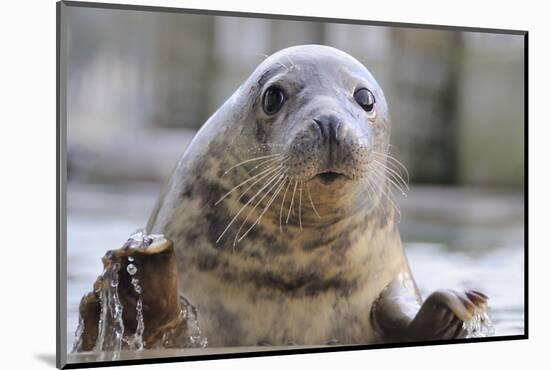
x: 394, y: 310
x: 135, y: 303
x: 443, y: 314
x: 397, y: 314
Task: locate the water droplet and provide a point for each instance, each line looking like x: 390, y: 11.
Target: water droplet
x: 114, y: 283
x: 479, y: 326
x: 138, y: 234
x: 140, y: 327
x: 131, y: 268
x: 130, y: 258
x: 135, y: 283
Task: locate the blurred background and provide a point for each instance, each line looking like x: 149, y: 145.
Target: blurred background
x: 139, y: 85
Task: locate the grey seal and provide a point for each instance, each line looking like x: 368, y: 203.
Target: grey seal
x: 282, y: 216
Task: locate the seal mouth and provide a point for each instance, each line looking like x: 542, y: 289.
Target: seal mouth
x: 329, y: 177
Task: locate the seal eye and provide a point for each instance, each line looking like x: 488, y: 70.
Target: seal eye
x: 273, y: 100
x: 365, y: 99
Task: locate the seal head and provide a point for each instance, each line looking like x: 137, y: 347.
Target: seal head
x: 326, y: 115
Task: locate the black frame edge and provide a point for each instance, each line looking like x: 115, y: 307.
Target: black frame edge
x: 285, y: 352
x: 526, y: 185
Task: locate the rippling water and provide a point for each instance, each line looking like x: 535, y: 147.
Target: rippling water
x: 454, y: 238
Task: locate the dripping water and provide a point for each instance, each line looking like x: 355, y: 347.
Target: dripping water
x: 136, y: 341
x: 479, y: 326
x: 111, y: 336
x: 191, y: 336
x: 196, y: 339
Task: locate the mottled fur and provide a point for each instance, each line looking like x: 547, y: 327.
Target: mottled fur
x: 311, y: 280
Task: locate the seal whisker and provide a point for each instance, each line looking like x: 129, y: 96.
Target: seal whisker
x: 251, y: 160
x: 390, y: 198
x: 277, y: 159
x: 397, y: 177
x: 292, y: 65
x: 291, y: 201
x: 260, y: 179
x: 394, y: 173
x: 282, y: 205
x: 370, y: 191
x: 392, y: 182
x: 300, y: 206
x: 243, y: 207
x: 282, y: 65
x: 377, y: 189
x: 262, y: 55
x: 382, y: 171
x: 264, y: 172
x: 376, y: 194
x: 382, y: 189
x: 277, y: 191
x: 279, y: 179
x: 260, y: 191
x: 273, y: 144
x: 398, y: 166
x: 311, y: 200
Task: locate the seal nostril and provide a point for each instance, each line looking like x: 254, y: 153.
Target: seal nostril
x: 328, y: 126
x: 321, y: 128
x: 333, y: 129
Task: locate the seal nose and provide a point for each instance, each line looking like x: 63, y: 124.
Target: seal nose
x: 328, y: 126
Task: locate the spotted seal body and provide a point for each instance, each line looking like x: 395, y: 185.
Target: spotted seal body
x: 282, y: 218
